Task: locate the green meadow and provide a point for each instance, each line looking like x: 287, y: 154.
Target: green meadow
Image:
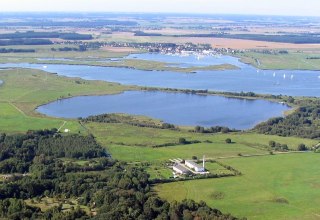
x: 23, y: 90
x: 292, y: 61
x: 131, y: 143
x: 271, y: 187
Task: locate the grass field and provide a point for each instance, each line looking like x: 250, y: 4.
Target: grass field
x: 24, y: 90
x: 271, y: 187
x: 44, y: 51
x: 159, y: 172
x: 292, y: 60
x: 130, y: 143
x: 215, y: 168
x: 46, y: 203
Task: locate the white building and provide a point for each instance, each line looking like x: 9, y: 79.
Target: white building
x: 180, y: 169
x: 195, y: 166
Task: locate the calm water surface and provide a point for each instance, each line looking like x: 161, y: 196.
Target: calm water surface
x: 175, y: 108
x: 247, y: 79
x: 187, y: 61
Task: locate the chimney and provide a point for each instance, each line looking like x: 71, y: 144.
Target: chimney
x: 203, y: 162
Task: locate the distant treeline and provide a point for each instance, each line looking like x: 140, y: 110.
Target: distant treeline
x: 10, y: 50
x: 25, y: 42
x: 303, y: 122
x: 85, y: 24
x: 292, y: 38
x: 81, y: 48
x: 32, y: 34
x: 141, y: 33
x: 296, y: 39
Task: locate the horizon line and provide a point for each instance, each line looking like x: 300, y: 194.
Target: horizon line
x: 162, y: 12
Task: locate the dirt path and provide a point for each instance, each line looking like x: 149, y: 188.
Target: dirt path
x: 18, y: 109
x: 64, y: 123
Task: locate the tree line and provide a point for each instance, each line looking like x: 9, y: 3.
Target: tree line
x: 10, y: 50
x: 214, y: 129
x: 303, y: 122
x: 34, y: 35
x: 286, y: 38
x: 127, y: 119
x: 28, y: 41
x: 80, y: 48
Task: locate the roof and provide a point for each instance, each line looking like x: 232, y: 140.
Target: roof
x: 194, y: 164
x: 181, y: 168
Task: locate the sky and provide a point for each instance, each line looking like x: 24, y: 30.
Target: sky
x: 263, y: 7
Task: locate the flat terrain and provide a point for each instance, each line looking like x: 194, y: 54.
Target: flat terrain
x: 99, y: 57
x: 131, y: 143
x: 23, y: 90
x: 44, y: 51
x: 215, y: 42
x: 271, y: 187
x: 307, y: 60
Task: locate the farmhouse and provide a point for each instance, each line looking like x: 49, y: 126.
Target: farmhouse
x: 194, y: 166
x: 180, y: 169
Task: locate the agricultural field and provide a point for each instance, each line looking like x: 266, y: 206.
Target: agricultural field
x: 215, y: 42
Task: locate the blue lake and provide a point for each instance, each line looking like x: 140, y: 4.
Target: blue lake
x: 191, y: 60
x: 247, y: 79
x: 175, y: 108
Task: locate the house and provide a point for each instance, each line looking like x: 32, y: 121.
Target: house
x: 192, y: 165
x: 180, y: 169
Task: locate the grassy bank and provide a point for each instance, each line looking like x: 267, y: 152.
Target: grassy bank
x: 291, y: 61
x: 23, y: 90
x: 126, y: 63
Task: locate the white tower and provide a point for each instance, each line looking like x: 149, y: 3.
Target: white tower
x: 203, y: 162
